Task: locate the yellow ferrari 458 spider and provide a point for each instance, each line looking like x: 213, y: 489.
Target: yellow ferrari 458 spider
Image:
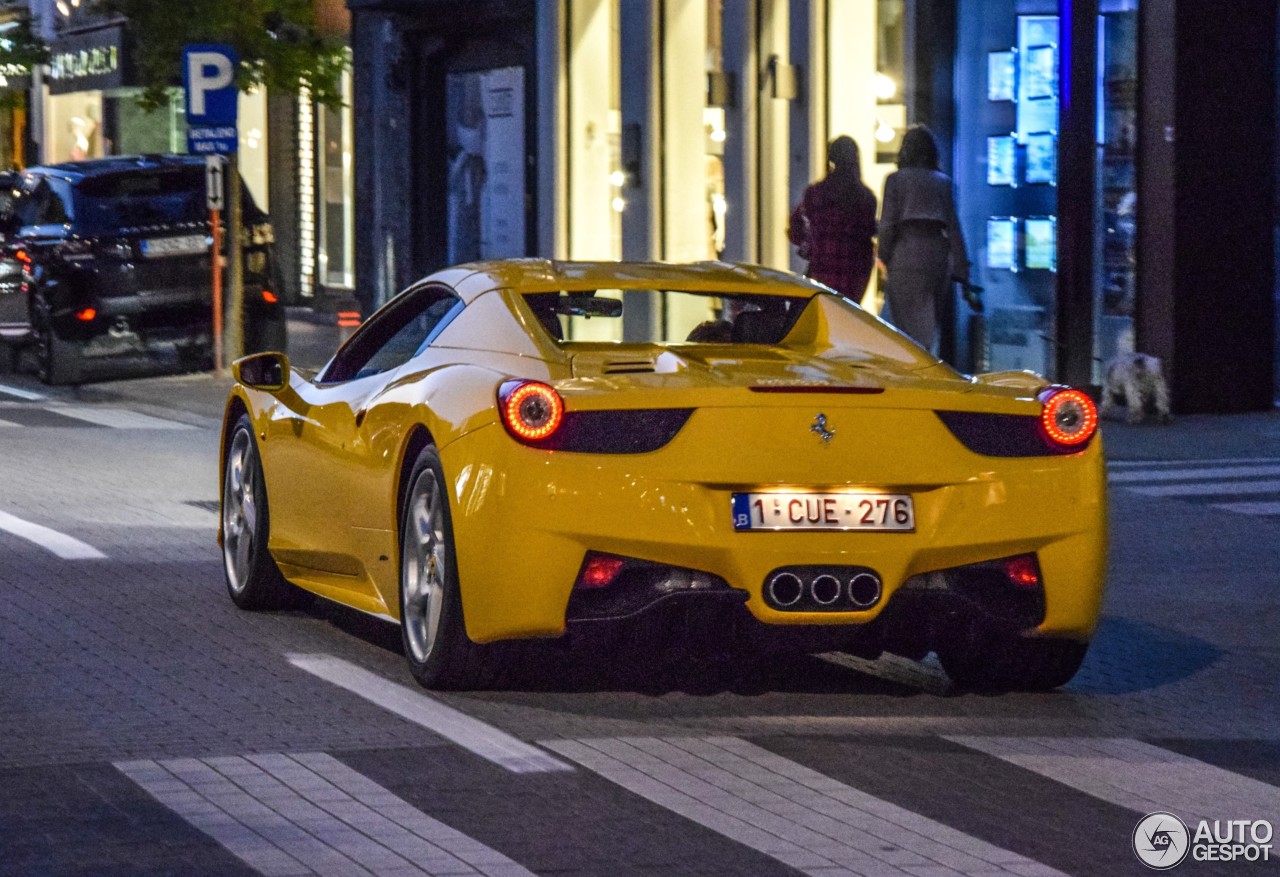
x: 519, y: 449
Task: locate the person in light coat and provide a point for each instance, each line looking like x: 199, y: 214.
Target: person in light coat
x: 921, y: 243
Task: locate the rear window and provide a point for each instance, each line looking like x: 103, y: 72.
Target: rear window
x: 664, y: 316
x: 142, y: 198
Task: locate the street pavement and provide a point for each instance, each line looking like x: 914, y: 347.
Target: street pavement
x: 150, y: 728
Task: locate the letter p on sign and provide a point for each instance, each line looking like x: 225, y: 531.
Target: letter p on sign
x: 208, y: 75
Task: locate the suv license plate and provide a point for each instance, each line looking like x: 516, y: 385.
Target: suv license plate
x: 186, y: 245
x: 846, y: 510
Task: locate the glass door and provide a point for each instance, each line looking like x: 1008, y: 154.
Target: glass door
x: 1115, y: 285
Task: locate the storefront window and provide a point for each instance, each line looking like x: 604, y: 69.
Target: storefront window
x: 1006, y: 179
x: 337, y: 192
x: 73, y: 126
x: 486, y: 171
x: 715, y: 125
x: 1116, y: 284
x: 890, y: 80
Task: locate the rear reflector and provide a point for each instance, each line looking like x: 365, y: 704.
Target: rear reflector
x: 1023, y: 571
x: 599, y: 571
x: 86, y: 315
x: 270, y: 297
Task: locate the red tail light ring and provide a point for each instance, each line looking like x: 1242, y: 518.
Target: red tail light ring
x: 1069, y: 417
x: 531, y: 410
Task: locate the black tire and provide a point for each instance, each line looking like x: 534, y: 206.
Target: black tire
x: 1013, y: 663
x: 253, y: 579
x: 195, y: 358
x: 10, y: 354
x: 440, y: 654
x: 57, y: 360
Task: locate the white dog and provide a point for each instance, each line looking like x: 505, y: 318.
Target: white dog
x: 1136, y: 381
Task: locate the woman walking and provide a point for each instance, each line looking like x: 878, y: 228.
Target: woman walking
x: 835, y: 221
x: 921, y: 243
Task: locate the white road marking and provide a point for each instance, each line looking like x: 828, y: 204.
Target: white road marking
x: 1250, y: 508
x: 4, y: 423
x: 17, y: 393
x: 1137, y: 775
x: 484, y: 740
x: 789, y: 812
x: 1193, y: 474
x: 64, y: 546
x: 1212, y: 488
x: 1222, y: 461
x: 311, y: 814
x: 116, y: 418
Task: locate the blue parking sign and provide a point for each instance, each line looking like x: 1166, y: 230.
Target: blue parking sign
x: 208, y: 80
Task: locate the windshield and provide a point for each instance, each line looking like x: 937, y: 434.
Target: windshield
x: 825, y: 324
x: 664, y: 316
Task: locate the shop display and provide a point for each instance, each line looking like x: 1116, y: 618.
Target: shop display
x: 1042, y: 158
x: 1002, y: 243
x: 1042, y: 243
x: 485, y: 186
x: 1002, y: 75
x: 1040, y: 70
x: 1037, y: 75
x: 1002, y: 161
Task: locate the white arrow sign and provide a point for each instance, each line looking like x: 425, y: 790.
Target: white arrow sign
x: 213, y: 181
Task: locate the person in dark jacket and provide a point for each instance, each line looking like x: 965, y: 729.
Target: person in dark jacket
x: 921, y: 243
x: 835, y: 221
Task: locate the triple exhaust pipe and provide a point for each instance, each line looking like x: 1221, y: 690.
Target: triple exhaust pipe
x: 847, y: 589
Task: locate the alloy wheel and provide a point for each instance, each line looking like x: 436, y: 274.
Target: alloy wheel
x: 240, y: 511
x: 423, y: 566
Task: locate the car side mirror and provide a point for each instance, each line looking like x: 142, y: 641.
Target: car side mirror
x: 262, y: 371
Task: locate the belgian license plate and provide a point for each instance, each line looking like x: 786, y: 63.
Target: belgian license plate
x: 846, y: 510
x: 186, y: 245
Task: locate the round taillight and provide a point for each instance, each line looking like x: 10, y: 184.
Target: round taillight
x: 1069, y: 416
x: 531, y: 410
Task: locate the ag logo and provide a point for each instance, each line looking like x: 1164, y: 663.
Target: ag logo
x: 1161, y: 841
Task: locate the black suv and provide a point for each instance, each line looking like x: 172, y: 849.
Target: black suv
x: 113, y: 267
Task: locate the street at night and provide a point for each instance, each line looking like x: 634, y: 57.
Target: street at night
x: 151, y: 727
x: 639, y: 438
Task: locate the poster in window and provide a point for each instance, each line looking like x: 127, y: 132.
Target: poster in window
x: 1002, y: 155
x: 1037, y: 81
x: 1042, y: 243
x: 1002, y: 75
x: 1040, y: 70
x: 1042, y: 158
x: 1002, y: 243
x: 486, y: 158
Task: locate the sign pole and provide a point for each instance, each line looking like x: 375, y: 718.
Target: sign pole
x: 235, y: 264
x: 211, y: 100
x: 215, y: 222
x: 214, y: 189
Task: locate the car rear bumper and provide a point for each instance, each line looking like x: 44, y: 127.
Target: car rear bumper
x: 524, y: 526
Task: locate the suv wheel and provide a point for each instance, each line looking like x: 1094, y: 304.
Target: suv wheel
x: 57, y: 360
